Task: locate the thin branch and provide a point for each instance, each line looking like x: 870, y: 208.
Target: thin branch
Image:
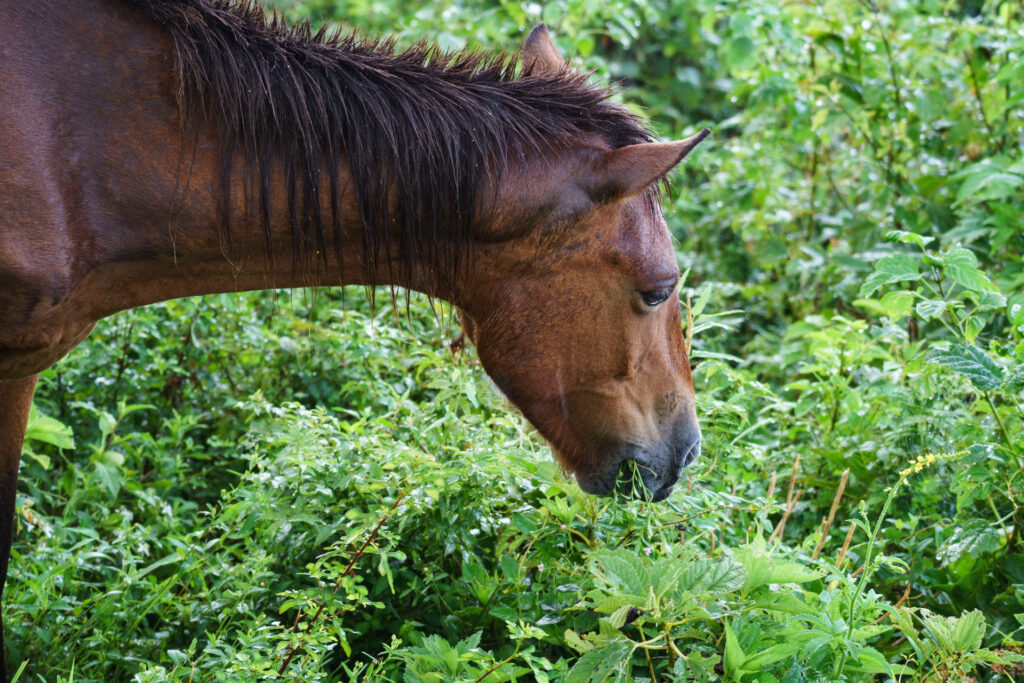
x: 349, y: 571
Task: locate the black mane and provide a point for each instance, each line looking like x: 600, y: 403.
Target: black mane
x: 419, y: 130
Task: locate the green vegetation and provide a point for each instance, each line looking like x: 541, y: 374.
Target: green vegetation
x: 284, y: 480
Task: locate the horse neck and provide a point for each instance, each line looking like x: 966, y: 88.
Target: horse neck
x: 109, y: 204
x: 167, y: 238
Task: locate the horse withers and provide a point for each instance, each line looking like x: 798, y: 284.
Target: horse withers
x: 171, y: 148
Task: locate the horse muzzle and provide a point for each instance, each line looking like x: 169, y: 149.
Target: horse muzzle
x: 647, y: 473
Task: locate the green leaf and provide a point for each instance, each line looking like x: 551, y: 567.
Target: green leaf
x: 598, y: 664
x: 930, y: 309
x: 166, y: 560
x: 897, y: 304
x: 510, y: 568
x: 991, y: 299
x: 741, y: 54
x: 48, y: 430
x: 109, y: 476
x: 988, y: 183
x: 43, y: 460
x: 818, y: 120
x: 624, y: 571
x: 973, y: 327
x: 972, y: 363
x: 704, y: 576
x: 890, y: 269
x: 702, y: 301
x: 955, y: 635
x: 775, y: 653
x: 783, y: 601
x: 1014, y: 381
x: 905, y: 237
x: 968, y: 631
x: 618, y: 617
x: 573, y: 640
x: 871, y: 306
x: 872, y: 661
x: 962, y: 266
x: 734, y: 655
x: 791, y: 572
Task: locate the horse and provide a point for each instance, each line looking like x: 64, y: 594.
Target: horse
x: 154, y: 149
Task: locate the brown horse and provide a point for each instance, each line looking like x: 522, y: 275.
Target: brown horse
x: 152, y: 149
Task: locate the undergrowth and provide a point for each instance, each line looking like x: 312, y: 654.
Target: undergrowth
x: 284, y: 484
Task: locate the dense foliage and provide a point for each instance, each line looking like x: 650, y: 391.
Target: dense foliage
x: 228, y: 487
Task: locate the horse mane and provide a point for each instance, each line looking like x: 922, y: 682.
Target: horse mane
x: 420, y: 130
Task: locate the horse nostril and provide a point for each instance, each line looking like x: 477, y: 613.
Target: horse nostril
x: 691, y: 453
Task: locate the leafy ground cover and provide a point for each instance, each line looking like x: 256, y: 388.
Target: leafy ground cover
x: 233, y: 487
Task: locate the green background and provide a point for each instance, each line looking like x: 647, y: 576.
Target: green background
x: 201, y: 474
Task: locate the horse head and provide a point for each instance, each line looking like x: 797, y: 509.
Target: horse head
x: 571, y: 301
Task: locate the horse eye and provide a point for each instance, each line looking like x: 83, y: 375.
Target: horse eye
x: 656, y: 296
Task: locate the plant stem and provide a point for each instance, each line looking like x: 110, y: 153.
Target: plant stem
x: 866, y: 573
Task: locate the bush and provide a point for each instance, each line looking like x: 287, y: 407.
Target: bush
x: 230, y: 487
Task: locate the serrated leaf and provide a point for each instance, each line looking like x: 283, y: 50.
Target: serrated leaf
x: 930, y: 309
x: 48, y: 430
x: 794, y: 675
x: 991, y: 298
x: 956, y: 635
x: 1003, y: 657
x: 598, y: 664
x: 968, y: 631
x: 734, y: 655
x: 872, y: 661
x: 711, y: 578
x: 791, y: 572
x: 43, y: 460
x: 663, y: 582
x: 904, y: 619
x: 971, y: 362
x: 973, y: 327
x: 897, y: 304
x: 962, y: 266
x: 573, y: 640
x: 988, y: 183
x: 775, y: 653
x: 779, y: 601
x: 890, y: 269
x: 623, y: 571
x: 618, y: 617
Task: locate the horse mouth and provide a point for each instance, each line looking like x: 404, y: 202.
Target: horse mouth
x: 642, y: 475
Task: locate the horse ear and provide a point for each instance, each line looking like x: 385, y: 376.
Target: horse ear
x: 540, y: 56
x: 628, y: 170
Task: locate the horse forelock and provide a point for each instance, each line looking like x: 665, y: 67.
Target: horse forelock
x: 421, y: 131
